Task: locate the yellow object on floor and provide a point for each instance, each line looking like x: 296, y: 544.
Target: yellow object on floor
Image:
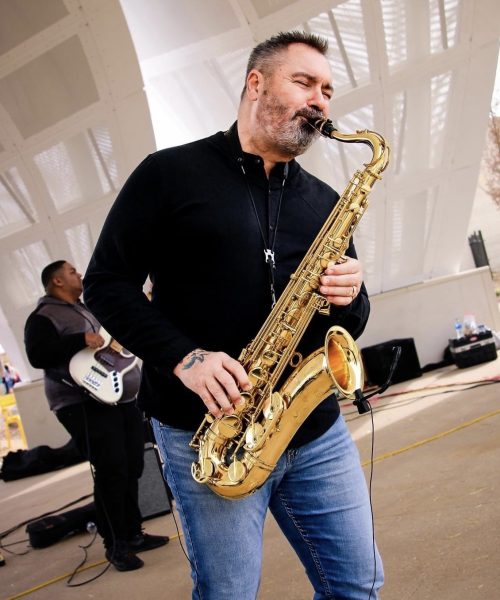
x: 9, y: 416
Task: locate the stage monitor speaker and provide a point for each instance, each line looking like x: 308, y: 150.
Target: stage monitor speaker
x: 377, y: 361
x: 154, y: 495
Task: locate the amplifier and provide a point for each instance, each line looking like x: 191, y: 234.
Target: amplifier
x: 377, y: 361
x: 154, y: 494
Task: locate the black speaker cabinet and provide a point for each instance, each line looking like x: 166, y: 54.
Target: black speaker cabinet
x: 377, y: 361
x: 153, y: 490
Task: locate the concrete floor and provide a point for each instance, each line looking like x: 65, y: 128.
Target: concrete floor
x: 435, y: 490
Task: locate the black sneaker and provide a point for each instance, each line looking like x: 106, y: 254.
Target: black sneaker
x: 144, y: 541
x: 121, y: 557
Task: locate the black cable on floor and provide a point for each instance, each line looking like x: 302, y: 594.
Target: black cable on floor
x: 82, y: 562
x: 372, y: 454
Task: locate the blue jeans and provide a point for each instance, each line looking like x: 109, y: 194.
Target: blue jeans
x: 317, y: 495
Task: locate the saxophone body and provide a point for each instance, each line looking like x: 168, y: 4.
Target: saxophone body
x: 238, y: 452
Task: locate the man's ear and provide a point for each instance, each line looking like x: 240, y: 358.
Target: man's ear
x: 56, y: 281
x: 255, y: 81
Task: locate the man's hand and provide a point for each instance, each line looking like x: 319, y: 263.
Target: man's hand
x: 93, y: 340
x: 341, y: 282
x: 216, y: 378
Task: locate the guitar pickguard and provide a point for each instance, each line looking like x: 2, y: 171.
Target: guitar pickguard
x: 101, y: 371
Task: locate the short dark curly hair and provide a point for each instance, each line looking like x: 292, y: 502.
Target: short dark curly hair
x: 49, y: 271
x: 264, y: 54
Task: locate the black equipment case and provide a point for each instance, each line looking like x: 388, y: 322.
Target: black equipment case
x: 473, y: 349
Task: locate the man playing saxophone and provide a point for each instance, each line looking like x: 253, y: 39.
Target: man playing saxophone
x: 219, y: 225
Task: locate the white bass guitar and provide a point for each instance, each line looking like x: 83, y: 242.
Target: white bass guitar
x: 100, y: 371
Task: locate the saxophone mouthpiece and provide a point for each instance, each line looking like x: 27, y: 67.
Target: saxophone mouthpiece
x: 324, y: 126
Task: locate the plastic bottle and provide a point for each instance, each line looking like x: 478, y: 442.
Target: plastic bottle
x: 458, y: 329
x: 469, y: 327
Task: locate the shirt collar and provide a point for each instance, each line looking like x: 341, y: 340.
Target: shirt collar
x: 252, y: 162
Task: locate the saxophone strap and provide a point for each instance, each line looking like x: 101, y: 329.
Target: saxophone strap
x: 269, y: 243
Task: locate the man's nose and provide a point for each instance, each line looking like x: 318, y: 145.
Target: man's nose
x: 318, y: 100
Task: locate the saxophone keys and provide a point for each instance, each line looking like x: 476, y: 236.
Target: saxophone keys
x: 207, y: 468
x: 256, y: 375
x: 202, y: 472
x: 269, y: 358
x: 295, y: 360
x: 253, y: 435
x: 239, y: 408
x: 285, y: 337
x: 229, y: 426
x: 247, y: 404
x: 274, y: 406
x: 325, y: 259
x: 293, y: 315
x: 236, y: 471
x: 322, y: 305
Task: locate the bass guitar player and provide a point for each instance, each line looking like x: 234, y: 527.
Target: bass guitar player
x: 109, y: 434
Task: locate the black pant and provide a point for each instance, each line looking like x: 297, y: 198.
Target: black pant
x: 112, y: 439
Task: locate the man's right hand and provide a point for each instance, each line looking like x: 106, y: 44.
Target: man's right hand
x: 216, y: 378
x: 93, y: 340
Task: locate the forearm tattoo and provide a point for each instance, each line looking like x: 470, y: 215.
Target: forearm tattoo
x: 196, y: 355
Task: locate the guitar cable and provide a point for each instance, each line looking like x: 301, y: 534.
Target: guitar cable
x: 362, y: 403
x: 82, y: 562
x: 371, y: 503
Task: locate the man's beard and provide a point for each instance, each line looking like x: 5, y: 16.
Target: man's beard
x: 289, y: 135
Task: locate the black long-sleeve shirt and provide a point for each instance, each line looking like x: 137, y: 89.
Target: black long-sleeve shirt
x: 185, y: 217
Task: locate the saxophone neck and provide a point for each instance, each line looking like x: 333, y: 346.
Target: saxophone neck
x: 375, y: 141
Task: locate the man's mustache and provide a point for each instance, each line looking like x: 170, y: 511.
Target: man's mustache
x: 309, y: 114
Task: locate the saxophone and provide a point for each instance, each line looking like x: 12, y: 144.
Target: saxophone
x: 238, y: 452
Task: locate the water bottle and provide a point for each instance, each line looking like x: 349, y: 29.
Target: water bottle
x: 470, y: 327
x: 458, y: 329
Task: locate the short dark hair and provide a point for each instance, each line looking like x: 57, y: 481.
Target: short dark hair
x: 263, y: 55
x: 49, y: 271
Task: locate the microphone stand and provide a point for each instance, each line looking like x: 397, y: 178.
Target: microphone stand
x: 362, y: 402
